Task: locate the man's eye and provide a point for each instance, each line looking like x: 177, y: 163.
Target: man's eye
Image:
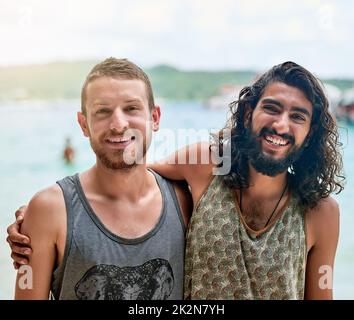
x: 103, y: 111
x: 298, y: 117
x: 270, y: 109
x: 132, y: 108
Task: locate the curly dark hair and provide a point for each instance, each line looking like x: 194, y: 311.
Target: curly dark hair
x: 318, y: 171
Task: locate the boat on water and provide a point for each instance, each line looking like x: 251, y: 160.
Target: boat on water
x: 345, y: 108
x: 227, y: 94
x: 334, y: 95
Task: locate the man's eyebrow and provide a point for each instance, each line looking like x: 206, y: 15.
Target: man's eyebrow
x: 133, y: 100
x: 272, y: 101
x: 295, y: 108
x: 302, y: 110
x: 100, y: 102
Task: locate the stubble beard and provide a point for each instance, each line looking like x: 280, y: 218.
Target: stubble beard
x: 114, y: 160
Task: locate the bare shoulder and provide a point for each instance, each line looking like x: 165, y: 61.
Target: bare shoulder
x: 47, y: 199
x: 46, y: 209
x: 184, y: 198
x: 326, y: 211
x: 322, y: 222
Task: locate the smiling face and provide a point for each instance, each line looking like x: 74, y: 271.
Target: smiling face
x: 279, y: 125
x: 285, y: 113
x: 118, y: 121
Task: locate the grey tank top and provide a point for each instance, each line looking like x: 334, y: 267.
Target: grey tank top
x: 98, y: 264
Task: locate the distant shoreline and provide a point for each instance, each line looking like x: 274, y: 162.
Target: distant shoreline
x: 63, y: 80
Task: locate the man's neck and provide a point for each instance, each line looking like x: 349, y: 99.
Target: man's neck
x: 263, y: 186
x: 128, y: 184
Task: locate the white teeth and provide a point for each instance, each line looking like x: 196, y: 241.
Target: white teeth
x: 118, y: 140
x: 276, y: 141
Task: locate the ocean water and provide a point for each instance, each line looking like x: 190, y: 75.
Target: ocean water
x: 32, y: 141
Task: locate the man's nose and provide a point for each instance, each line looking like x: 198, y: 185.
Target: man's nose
x: 281, y: 125
x: 119, y: 121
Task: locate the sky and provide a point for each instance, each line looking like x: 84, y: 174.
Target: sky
x: 188, y: 34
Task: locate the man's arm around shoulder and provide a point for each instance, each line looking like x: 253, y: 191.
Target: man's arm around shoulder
x: 193, y: 163
x: 44, y: 223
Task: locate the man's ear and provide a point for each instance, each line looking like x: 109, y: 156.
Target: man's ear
x: 81, y: 119
x: 247, y: 118
x: 155, y: 117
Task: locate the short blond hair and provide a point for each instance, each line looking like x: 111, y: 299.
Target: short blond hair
x: 117, y: 68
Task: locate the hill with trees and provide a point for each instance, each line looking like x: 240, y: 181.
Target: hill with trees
x: 63, y: 80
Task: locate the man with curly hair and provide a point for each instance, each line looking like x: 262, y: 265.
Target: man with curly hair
x: 268, y: 228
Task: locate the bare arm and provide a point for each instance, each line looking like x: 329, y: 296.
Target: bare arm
x: 192, y: 163
x: 42, y: 225
x: 323, y: 230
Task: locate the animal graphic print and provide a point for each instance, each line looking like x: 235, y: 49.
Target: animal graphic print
x: 151, y: 281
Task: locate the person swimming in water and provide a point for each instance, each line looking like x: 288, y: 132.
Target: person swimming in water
x: 69, y: 152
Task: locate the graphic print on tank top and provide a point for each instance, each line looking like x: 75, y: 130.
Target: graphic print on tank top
x: 152, y: 280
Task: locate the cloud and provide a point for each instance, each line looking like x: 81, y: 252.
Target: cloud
x: 190, y: 34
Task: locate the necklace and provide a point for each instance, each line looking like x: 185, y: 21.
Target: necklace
x: 281, y: 197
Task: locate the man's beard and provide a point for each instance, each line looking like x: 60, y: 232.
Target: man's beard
x: 115, y: 160
x: 251, y: 147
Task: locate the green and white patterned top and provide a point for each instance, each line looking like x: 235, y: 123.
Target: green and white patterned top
x: 225, y: 261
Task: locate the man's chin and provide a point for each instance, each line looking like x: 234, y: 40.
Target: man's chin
x: 269, y: 165
x: 114, y: 162
x: 271, y: 172
x: 274, y: 157
x: 118, y: 166
x: 126, y: 162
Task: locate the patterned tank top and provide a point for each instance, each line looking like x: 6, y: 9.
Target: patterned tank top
x: 225, y: 261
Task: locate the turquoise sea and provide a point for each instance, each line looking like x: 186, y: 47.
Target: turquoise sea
x: 31, y: 144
